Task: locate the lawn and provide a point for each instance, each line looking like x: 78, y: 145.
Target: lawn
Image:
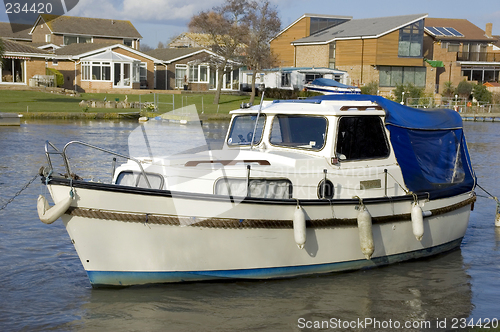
x: 35, y: 101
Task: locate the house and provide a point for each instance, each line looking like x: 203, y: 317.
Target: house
x: 466, y: 51
x: 304, y: 26
x: 387, y: 50
x: 290, y: 78
x: 191, y: 40
x: 493, y: 87
x: 21, y: 62
x: 192, y: 69
x: 66, y: 30
x: 15, y: 31
x: 99, y: 67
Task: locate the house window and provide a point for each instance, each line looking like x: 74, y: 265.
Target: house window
x: 411, y: 39
x: 54, y: 62
x: 68, y: 40
x: 203, y: 73
x: 332, y: 51
x: 144, y: 71
x: 193, y: 73
x: 286, y: 80
x: 128, y: 42
x: 180, y: 76
x: 47, y: 38
x: 392, y: 76
x: 96, y: 71
x: 312, y: 77
x: 12, y: 70
x: 453, y: 47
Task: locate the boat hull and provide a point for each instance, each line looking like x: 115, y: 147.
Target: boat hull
x: 128, y: 237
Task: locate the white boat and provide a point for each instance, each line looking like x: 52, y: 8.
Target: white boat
x: 10, y: 119
x: 328, y: 87
x: 330, y: 183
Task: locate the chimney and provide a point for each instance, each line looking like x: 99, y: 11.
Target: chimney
x: 489, y: 30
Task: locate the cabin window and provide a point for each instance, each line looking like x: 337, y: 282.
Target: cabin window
x: 243, y: 127
x: 361, y: 137
x: 299, y: 131
x: 136, y: 179
x: 258, y: 188
x: 411, y: 40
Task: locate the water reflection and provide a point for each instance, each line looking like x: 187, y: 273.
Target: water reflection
x: 414, y: 291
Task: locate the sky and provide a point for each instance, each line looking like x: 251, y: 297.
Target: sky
x: 160, y: 20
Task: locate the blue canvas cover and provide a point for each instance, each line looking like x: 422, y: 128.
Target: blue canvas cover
x: 330, y: 82
x: 429, y: 145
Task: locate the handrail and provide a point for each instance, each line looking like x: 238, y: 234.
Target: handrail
x: 67, y: 164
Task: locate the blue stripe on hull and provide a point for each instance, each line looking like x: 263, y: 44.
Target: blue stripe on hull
x: 124, y: 278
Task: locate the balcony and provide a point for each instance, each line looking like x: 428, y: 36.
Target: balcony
x: 478, y: 56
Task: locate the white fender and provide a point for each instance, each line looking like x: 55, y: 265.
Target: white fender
x: 417, y: 221
x: 299, y: 227
x: 48, y: 214
x: 365, y: 232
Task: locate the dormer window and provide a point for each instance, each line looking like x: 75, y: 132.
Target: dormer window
x: 68, y: 39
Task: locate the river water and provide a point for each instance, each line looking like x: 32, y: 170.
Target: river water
x: 44, y: 287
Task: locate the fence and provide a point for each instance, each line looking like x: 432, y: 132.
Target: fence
x: 162, y: 103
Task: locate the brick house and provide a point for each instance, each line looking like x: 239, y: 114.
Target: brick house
x: 21, y: 62
x: 387, y: 50
x: 66, y: 30
x: 304, y: 26
x: 465, y: 50
x: 190, y: 68
x: 104, y: 67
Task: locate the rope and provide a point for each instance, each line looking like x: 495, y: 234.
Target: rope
x: 491, y: 196
x: 19, y: 192
x: 246, y: 223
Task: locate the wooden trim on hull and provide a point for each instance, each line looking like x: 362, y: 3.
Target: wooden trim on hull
x: 247, y: 223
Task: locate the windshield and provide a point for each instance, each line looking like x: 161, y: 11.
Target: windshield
x: 242, y: 129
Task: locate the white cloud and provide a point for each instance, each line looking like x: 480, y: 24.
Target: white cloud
x: 160, y: 11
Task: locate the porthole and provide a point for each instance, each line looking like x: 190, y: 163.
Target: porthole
x: 326, y: 191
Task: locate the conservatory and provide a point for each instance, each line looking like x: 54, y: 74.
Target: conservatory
x: 110, y: 70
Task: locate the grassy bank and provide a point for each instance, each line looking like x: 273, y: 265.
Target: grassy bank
x: 36, y: 104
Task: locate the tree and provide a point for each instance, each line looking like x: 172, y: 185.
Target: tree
x: 263, y: 23
x: 145, y: 48
x: 160, y: 45
x: 482, y: 94
x: 227, y: 30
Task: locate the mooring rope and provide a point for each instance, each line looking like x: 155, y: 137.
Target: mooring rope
x: 19, y: 192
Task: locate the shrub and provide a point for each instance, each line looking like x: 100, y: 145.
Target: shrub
x: 288, y: 94
x: 464, y: 89
x: 59, y: 76
x: 370, y: 88
x: 411, y: 91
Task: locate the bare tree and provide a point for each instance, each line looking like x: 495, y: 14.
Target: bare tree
x: 146, y: 48
x: 160, y: 45
x: 264, y: 23
x: 227, y: 29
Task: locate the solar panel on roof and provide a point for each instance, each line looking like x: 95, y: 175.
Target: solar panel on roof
x: 433, y: 31
x: 444, y: 32
x: 455, y: 32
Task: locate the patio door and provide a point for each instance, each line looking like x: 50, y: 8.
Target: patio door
x: 122, y: 75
